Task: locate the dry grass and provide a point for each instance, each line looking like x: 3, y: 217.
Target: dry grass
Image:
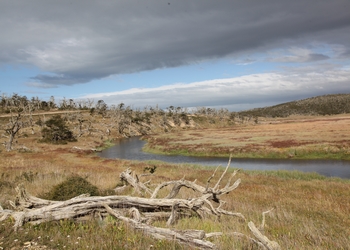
x: 310, y: 211
x: 300, y: 137
x: 308, y: 214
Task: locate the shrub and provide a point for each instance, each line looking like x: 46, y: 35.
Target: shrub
x: 56, y: 131
x: 70, y: 188
x: 6, y: 184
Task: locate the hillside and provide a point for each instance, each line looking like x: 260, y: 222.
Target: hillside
x: 319, y: 105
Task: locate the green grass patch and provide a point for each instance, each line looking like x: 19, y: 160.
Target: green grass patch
x: 290, y: 175
x: 66, y: 234
x: 106, y: 144
x: 289, y: 153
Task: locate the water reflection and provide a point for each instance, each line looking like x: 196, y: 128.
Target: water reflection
x: 131, y: 149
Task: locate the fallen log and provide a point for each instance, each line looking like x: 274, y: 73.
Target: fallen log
x: 192, y: 238
x: 82, y: 205
x: 140, y: 212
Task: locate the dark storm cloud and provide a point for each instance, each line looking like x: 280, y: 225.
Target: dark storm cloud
x: 78, y: 41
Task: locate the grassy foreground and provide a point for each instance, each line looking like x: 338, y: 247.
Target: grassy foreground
x: 310, y: 211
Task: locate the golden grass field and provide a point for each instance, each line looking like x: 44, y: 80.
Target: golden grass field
x: 310, y: 211
x: 293, y: 137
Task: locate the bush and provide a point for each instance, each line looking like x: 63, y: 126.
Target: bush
x: 56, y: 131
x: 70, y: 188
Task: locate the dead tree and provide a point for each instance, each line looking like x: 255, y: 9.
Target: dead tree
x: 13, y: 127
x: 140, y: 212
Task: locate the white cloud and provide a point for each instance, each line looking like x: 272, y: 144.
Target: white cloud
x: 61, y: 56
x: 236, y: 93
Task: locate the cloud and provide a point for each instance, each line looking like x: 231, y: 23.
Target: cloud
x: 79, y: 41
x: 298, y: 55
x: 55, y: 80
x: 237, y: 93
x: 40, y: 85
x: 245, y: 61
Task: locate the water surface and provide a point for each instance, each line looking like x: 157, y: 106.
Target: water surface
x: 131, y: 149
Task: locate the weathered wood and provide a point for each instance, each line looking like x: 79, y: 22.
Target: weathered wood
x: 191, y: 238
x: 177, y: 186
x: 24, y: 200
x: 262, y: 225
x: 270, y: 245
x: 135, y: 182
x: 208, y: 194
x: 173, y: 216
x: 119, y: 190
x: 82, y: 205
x: 135, y: 214
x: 5, y: 214
x: 140, y: 212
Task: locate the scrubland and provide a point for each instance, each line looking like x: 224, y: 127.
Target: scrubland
x: 309, y: 211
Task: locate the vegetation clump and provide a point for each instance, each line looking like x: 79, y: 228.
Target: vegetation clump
x: 56, y: 131
x: 72, y: 187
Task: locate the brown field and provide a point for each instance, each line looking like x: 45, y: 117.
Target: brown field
x: 310, y: 211
x: 295, y: 137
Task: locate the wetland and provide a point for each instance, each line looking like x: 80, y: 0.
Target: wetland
x: 131, y: 149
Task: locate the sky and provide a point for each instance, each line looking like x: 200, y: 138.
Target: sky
x: 234, y: 54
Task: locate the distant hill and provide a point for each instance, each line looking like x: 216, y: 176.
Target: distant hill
x: 319, y: 105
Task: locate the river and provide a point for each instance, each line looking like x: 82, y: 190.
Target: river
x: 131, y: 149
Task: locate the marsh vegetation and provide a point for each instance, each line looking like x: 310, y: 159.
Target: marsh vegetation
x: 296, y: 137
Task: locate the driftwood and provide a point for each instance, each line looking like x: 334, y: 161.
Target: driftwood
x: 139, y: 187
x: 193, y: 238
x: 140, y: 212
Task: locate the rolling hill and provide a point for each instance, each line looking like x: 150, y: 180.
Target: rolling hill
x: 319, y: 105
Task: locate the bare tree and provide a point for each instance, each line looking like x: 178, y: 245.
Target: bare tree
x: 36, y: 103
x: 12, y: 128
x: 29, y: 110
x: 16, y: 105
x: 101, y: 107
x: 63, y: 104
x: 90, y: 103
x: 52, y: 103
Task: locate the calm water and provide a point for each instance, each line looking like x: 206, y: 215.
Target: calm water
x: 131, y: 149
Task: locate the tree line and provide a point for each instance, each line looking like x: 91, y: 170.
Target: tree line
x: 72, y: 119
